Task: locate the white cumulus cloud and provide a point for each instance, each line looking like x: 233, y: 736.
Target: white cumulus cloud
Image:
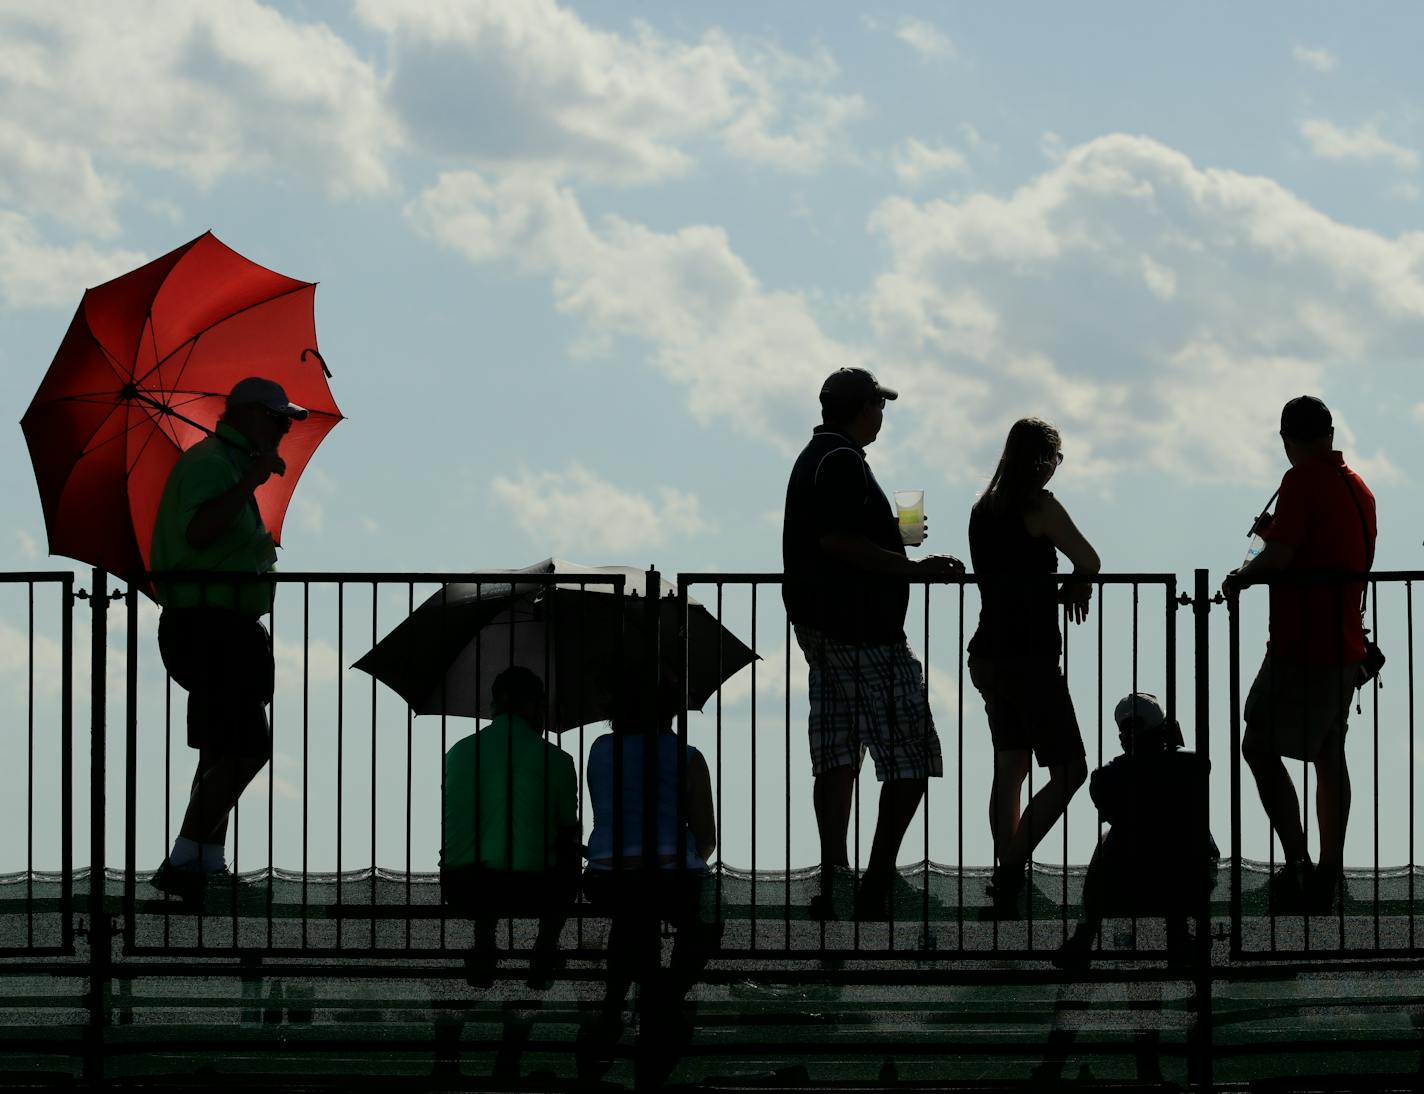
x: 1330, y: 142
x: 531, y: 85
x: 35, y: 273
x: 575, y: 510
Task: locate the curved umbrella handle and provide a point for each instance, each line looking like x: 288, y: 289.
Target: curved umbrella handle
x: 317, y: 354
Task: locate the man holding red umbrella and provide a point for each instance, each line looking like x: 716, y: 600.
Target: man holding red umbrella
x: 210, y: 634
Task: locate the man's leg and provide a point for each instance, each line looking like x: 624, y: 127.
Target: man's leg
x: 218, y: 783
x: 1278, y: 798
x: 1332, y: 804
x: 899, y: 800
x: 832, y: 795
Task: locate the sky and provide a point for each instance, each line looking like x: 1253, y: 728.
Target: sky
x: 584, y: 266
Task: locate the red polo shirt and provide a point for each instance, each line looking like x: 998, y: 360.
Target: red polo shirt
x: 1315, y: 514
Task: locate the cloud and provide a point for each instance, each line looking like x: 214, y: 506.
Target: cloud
x: 746, y: 354
x: 1319, y: 59
x: 1120, y: 292
x: 28, y: 546
x: 925, y: 38
x: 57, y: 179
x: 556, y: 94
x: 575, y: 511
x: 203, y: 90
x: 1330, y: 142
x: 38, y: 274
x: 915, y: 162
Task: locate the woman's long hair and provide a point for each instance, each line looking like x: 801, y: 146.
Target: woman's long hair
x: 1031, y: 449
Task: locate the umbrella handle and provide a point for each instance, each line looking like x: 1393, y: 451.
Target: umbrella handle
x: 317, y: 354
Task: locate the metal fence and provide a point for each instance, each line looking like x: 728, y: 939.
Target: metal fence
x: 37, y: 879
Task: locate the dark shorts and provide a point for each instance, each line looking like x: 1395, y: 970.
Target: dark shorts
x: 1298, y: 710
x: 223, y: 660
x: 1029, y: 708
x: 477, y: 892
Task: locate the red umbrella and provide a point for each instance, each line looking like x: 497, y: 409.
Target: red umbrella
x: 142, y: 375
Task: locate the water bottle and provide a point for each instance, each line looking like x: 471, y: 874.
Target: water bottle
x: 1253, y: 548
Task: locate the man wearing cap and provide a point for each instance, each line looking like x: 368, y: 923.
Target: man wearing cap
x: 1157, y: 858
x: 846, y: 597
x: 1299, y: 704
x: 210, y: 635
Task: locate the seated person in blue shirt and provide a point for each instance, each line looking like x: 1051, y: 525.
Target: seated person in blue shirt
x: 1158, y: 857
x: 640, y: 881
x: 511, y: 830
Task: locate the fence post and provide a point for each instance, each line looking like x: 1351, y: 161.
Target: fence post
x: 99, y: 942
x: 1201, y: 608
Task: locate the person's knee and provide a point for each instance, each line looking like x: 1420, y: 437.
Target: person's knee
x: 1072, y: 774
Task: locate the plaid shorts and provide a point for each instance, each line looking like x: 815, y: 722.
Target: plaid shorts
x: 869, y: 697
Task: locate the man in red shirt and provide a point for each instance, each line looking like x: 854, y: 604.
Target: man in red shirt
x: 1299, y: 704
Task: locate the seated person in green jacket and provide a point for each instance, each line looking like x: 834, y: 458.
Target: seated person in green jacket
x: 511, y: 831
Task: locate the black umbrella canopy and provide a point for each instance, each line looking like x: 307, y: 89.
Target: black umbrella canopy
x: 576, y: 633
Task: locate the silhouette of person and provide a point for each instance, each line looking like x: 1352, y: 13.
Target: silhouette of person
x: 1157, y: 857
x: 1299, y: 702
x: 210, y: 634
x: 640, y: 880
x: 510, y: 843
x: 846, y: 599
x: 1016, y: 529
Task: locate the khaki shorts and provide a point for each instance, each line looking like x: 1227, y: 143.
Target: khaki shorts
x: 1297, y: 710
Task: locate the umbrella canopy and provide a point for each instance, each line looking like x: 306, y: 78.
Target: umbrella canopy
x: 142, y: 375
x: 575, y: 633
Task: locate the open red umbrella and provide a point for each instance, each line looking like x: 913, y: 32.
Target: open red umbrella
x: 142, y: 375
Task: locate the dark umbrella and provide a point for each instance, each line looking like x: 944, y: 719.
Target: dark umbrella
x: 576, y: 633
x: 142, y: 375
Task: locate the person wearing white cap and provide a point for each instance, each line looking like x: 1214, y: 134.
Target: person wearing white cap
x: 210, y: 635
x: 1158, y: 855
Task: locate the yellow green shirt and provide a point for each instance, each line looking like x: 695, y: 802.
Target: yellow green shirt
x: 212, y: 467
x: 480, y: 772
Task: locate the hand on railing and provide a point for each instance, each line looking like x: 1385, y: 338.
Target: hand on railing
x: 1076, y: 595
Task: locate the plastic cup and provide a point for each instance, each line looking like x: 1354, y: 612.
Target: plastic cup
x: 910, y: 511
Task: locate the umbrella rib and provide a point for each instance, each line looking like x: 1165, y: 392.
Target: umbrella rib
x: 192, y: 339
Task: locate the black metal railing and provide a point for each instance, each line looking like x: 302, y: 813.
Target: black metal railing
x: 944, y: 912
x: 37, y: 878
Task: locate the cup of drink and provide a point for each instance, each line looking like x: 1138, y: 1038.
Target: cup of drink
x: 910, y: 511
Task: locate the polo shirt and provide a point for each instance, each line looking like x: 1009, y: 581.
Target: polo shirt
x: 832, y: 489
x: 212, y: 467
x: 507, y: 772
x: 1321, y: 624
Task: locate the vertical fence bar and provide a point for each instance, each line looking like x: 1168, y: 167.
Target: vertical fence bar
x: 66, y: 759
x: 751, y: 943
x: 30, y: 768
x: 1201, y: 607
x: 375, y: 612
x: 99, y: 953
x: 130, y: 761
x: 959, y: 774
x: 1233, y: 660
x: 1409, y: 675
x: 340, y: 746
x: 306, y: 755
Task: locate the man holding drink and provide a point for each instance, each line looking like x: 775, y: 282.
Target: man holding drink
x: 843, y: 551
